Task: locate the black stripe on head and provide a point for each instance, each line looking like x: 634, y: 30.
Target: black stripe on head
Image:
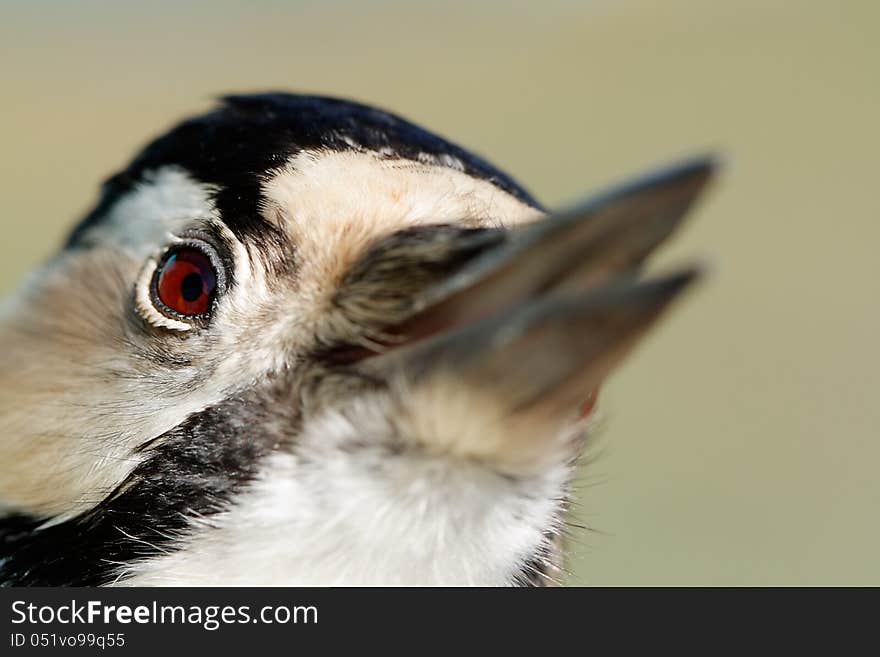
x: 193, y: 470
x: 236, y: 145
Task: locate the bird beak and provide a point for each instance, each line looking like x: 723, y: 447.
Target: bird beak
x: 546, y: 312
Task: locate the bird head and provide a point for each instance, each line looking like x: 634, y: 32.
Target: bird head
x: 300, y: 340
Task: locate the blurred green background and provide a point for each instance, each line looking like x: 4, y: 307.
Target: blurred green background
x: 741, y: 442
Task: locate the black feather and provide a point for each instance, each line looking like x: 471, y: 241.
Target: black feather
x: 237, y: 144
x: 194, y: 470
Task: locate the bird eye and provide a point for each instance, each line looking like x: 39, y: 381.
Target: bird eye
x: 185, y: 282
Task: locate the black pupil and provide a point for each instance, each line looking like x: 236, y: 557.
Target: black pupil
x: 191, y: 287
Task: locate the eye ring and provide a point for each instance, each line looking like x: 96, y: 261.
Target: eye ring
x: 187, y: 282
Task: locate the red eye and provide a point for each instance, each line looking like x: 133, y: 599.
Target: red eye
x: 186, y: 282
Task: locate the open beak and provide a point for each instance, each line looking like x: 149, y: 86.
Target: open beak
x: 544, y: 312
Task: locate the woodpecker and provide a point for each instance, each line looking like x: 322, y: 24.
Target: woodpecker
x: 302, y: 341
